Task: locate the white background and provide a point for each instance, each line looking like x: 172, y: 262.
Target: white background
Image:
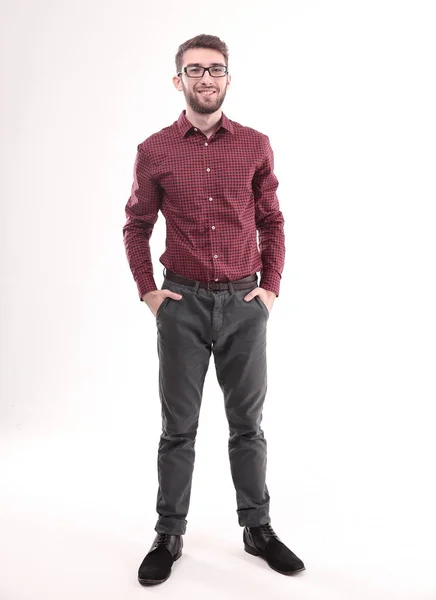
x: 346, y: 92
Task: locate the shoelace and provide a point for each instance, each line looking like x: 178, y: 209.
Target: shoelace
x: 162, y: 539
x: 267, y: 530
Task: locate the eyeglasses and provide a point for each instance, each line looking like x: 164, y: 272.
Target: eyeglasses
x: 198, y: 72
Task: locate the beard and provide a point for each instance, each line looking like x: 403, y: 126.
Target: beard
x: 206, y: 106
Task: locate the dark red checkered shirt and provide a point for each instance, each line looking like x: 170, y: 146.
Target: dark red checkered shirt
x: 216, y: 195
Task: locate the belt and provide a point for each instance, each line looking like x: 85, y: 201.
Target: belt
x: 213, y: 286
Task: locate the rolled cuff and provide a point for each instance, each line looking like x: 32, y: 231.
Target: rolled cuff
x: 145, y: 284
x: 270, y: 281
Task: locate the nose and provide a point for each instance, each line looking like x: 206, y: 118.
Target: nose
x: 207, y: 77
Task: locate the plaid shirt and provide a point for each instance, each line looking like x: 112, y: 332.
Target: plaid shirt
x: 215, y: 193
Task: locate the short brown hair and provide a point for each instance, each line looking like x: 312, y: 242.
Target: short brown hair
x: 201, y: 41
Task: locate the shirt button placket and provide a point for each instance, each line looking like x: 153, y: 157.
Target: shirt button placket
x: 215, y: 256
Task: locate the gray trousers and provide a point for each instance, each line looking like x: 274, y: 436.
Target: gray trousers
x: 188, y: 331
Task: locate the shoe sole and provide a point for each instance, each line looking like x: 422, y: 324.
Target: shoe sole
x: 254, y: 552
x: 143, y: 581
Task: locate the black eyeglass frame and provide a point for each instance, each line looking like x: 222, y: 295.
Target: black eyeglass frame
x: 184, y: 70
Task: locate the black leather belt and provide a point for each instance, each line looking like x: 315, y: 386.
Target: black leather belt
x: 213, y: 286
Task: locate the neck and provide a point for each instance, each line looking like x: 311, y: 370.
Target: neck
x: 206, y: 123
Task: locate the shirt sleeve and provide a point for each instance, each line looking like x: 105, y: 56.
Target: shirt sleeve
x: 269, y: 222
x: 141, y: 212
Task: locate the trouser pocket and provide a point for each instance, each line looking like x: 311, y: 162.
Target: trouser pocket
x: 262, y: 304
x: 162, y: 306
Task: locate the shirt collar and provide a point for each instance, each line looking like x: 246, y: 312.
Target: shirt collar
x: 185, y: 125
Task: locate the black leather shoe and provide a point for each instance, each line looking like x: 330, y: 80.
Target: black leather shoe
x: 156, y: 566
x: 262, y: 541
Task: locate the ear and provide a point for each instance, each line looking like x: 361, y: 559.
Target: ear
x: 229, y: 79
x: 177, y: 83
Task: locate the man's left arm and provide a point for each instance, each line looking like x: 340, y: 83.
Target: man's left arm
x: 269, y: 222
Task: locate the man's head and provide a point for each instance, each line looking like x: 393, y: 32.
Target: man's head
x: 203, y: 92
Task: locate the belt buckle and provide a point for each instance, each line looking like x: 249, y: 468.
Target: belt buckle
x: 209, y: 283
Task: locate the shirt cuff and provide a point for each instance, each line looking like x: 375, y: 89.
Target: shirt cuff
x: 145, y: 283
x: 270, y: 281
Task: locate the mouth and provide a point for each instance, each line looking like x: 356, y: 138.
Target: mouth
x: 206, y: 93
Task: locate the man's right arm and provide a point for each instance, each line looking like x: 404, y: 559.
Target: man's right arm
x: 142, y: 212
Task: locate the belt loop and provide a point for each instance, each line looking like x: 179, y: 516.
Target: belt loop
x: 231, y: 288
x: 196, y: 286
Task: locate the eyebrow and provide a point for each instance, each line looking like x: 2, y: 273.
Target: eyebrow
x: 199, y: 65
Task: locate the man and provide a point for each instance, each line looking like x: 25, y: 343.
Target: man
x: 213, y: 181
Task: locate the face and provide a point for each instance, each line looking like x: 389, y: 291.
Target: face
x: 193, y: 88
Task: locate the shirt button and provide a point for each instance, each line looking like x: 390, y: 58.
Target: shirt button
x: 215, y: 255
x: 195, y: 129
x: 208, y: 169
x: 210, y: 199
x: 216, y: 279
x: 213, y: 226
x: 205, y: 143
